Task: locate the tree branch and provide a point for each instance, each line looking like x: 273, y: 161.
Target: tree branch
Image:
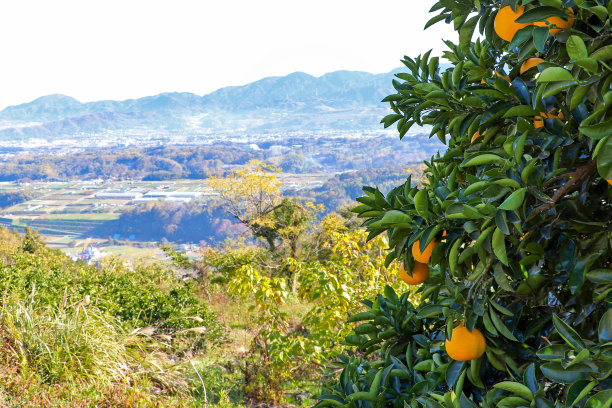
x: 572, y: 184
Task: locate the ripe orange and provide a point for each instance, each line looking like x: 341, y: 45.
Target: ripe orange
x: 424, y: 256
x: 507, y: 78
x: 538, y: 121
x: 475, y: 136
x: 530, y: 63
x: 465, y: 345
x: 504, y: 24
x: 609, y: 181
x: 420, y: 272
x: 557, y: 22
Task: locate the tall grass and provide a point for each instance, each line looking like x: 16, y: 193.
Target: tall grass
x: 75, y: 336
x: 66, y: 344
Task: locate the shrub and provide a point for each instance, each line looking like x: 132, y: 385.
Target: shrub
x: 140, y: 296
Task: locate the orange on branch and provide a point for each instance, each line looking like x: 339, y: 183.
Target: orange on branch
x: 420, y: 272
x: 424, y: 256
x: 507, y: 78
x: 557, y: 22
x: 538, y: 121
x: 609, y: 181
x: 475, y: 136
x: 530, y: 63
x: 465, y: 345
x: 505, y: 25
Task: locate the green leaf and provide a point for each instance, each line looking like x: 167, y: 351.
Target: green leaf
x: 501, y: 327
x: 600, y: 276
x: 590, y: 64
x: 521, y: 110
x: 603, y: 399
x: 454, y: 255
x: 578, y: 390
x: 552, y: 74
x: 556, y: 372
x: 599, y: 11
x: 576, y: 48
x: 604, y: 159
x: 452, y: 372
x: 429, y: 311
x: 555, y: 352
x: 605, y: 327
x: 395, y: 217
x: 567, y: 333
x: 529, y: 378
x: 499, y: 246
x: 553, y: 88
x: 515, y: 388
x: 471, y: 212
x: 466, y: 32
x: 602, y: 54
x: 508, y: 183
x: 514, y: 200
x: 501, y: 278
x: 578, y: 272
x: 486, y: 158
x: 578, y: 96
x: 554, y: 3
x: 434, y: 20
x: 421, y: 203
x: 540, y: 35
x: 580, y: 357
x: 598, y: 130
x: 539, y: 14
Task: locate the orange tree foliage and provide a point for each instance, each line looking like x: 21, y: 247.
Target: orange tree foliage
x: 527, y: 210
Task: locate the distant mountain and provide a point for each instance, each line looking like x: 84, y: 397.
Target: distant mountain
x: 339, y: 101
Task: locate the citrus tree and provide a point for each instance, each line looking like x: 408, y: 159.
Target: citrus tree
x: 510, y: 237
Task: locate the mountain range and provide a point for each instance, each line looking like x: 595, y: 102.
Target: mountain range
x: 337, y: 102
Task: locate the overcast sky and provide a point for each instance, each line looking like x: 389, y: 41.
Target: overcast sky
x: 119, y: 49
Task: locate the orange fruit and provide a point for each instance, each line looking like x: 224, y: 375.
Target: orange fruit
x: 504, y: 24
x: 420, y: 272
x: 538, y: 121
x: 465, y: 345
x: 557, y: 22
x: 475, y: 136
x: 530, y: 63
x: 507, y: 78
x: 424, y: 256
x: 609, y: 181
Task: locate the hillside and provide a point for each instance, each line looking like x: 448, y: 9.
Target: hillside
x: 337, y: 102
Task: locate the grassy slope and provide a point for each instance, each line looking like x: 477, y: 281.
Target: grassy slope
x: 70, y: 337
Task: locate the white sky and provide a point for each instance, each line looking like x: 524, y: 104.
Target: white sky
x: 119, y: 49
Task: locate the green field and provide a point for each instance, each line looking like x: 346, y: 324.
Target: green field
x: 67, y: 213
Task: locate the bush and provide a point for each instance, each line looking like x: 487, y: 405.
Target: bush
x: 519, y: 209
x: 145, y: 295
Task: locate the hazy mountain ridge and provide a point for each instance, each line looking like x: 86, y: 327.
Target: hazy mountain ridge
x: 341, y: 100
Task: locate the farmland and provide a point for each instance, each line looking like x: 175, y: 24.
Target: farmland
x: 66, y: 214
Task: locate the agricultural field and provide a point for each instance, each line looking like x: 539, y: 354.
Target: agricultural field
x: 67, y: 214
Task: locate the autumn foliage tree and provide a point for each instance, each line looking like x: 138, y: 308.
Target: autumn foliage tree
x: 514, y: 221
